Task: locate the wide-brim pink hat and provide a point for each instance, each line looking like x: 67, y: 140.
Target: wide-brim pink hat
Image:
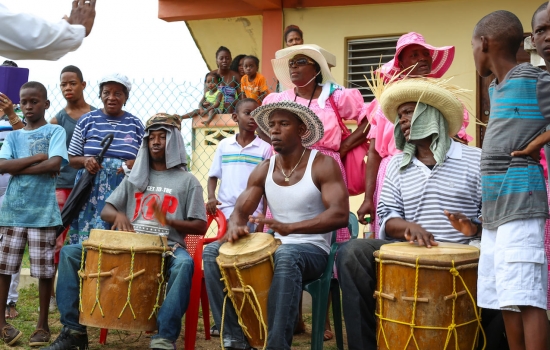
x: 442, y: 57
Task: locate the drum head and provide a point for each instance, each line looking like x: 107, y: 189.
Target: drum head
x: 253, y: 246
x: 442, y: 252
x: 124, y: 240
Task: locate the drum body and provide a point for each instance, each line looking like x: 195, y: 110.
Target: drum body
x: 119, y: 301
x: 421, y: 293
x: 247, y: 269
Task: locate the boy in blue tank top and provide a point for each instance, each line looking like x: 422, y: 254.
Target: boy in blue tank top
x: 33, y: 156
x: 512, y: 274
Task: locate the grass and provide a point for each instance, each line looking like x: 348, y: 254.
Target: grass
x: 28, y: 314
x: 26, y: 263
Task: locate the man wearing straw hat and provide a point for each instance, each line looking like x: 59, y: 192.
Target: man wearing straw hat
x: 308, y: 199
x: 431, y: 194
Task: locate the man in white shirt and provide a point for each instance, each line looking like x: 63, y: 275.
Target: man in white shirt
x: 27, y: 37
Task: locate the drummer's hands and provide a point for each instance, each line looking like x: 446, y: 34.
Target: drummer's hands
x: 91, y: 165
x: 160, y: 214
x: 122, y: 223
x: 462, y: 223
x: 234, y: 232
x: 416, y: 233
x: 279, y: 227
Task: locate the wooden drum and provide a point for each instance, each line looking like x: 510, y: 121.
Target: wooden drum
x: 247, y: 270
x: 122, y: 285
x: 426, y: 298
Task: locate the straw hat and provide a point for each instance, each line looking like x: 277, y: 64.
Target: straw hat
x: 315, y: 129
x: 315, y: 52
x: 442, y: 57
x: 434, y: 92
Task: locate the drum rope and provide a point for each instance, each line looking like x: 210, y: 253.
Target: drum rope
x: 229, y: 294
x: 161, y: 282
x: 97, y: 302
x: 451, y: 329
x: 254, y: 304
x: 128, y: 303
x: 258, y: 310
x: 81, y: 278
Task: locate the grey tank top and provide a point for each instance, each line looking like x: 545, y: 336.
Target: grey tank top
x: 298, y: 202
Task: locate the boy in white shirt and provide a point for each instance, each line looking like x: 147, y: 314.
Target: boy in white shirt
x: 234, y: 160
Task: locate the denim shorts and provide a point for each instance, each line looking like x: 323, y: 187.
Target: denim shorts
x: 513, y: 268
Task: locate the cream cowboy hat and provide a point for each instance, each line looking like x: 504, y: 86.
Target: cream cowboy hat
x: 434, y: 92
x: 323, y: 58
x: 315, y: 129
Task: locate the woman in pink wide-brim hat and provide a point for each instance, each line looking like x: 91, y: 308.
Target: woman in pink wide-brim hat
x: 426, y: 61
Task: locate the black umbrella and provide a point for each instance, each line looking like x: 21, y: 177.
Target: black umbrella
x: 81, y: 190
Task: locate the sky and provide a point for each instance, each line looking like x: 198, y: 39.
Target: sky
x: 127, y: 37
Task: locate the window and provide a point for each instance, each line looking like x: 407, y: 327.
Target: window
x: 364, y: 54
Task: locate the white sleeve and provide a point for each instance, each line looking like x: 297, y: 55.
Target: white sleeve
x: 27, y: 37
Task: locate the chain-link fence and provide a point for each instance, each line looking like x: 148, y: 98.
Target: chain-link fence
x: 148, y: 97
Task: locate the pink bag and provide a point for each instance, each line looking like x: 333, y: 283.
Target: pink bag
x: 354, y: 161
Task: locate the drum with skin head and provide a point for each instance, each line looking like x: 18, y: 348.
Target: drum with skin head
x: 247, y: 270
x: 426, y: 297
x: 122, y: 285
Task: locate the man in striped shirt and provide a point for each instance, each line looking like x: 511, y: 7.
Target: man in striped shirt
x: 430, y: 191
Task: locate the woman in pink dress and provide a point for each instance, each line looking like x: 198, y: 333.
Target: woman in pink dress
x: 430, y: 61
x: 304, y: 71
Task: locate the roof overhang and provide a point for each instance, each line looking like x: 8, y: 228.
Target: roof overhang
x: 189, y: 10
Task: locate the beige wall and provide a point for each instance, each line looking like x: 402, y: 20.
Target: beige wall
x: 442, y: 23
x: 242, y: 35
x: 449, y: 22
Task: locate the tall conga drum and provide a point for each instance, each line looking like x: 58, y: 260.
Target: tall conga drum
x: 426, y: 297
x: 247, y: 271
x: 122, y: 284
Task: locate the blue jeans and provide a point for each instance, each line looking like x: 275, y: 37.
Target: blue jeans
x: 179, y: 275
x: 294, y: 264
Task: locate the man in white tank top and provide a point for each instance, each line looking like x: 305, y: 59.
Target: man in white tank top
x: 308, y: 199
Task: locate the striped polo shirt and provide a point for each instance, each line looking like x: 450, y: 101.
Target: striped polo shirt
x: 92, y: 127
x: 420, y: 195
x: 232, y: 165
x: 514, y: 187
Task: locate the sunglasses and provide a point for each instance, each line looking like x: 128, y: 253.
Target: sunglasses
x: 300, y: 62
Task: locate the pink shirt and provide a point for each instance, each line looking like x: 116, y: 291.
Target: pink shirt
x: 350, y: 106
x: 382, y: 130
x: 543, y: 163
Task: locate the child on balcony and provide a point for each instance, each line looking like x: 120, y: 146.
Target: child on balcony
x: 211, y: 101
x: 253, y: 84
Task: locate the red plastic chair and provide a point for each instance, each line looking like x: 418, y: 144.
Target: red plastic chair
x: 198, y: 286
x: 195, y: 244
